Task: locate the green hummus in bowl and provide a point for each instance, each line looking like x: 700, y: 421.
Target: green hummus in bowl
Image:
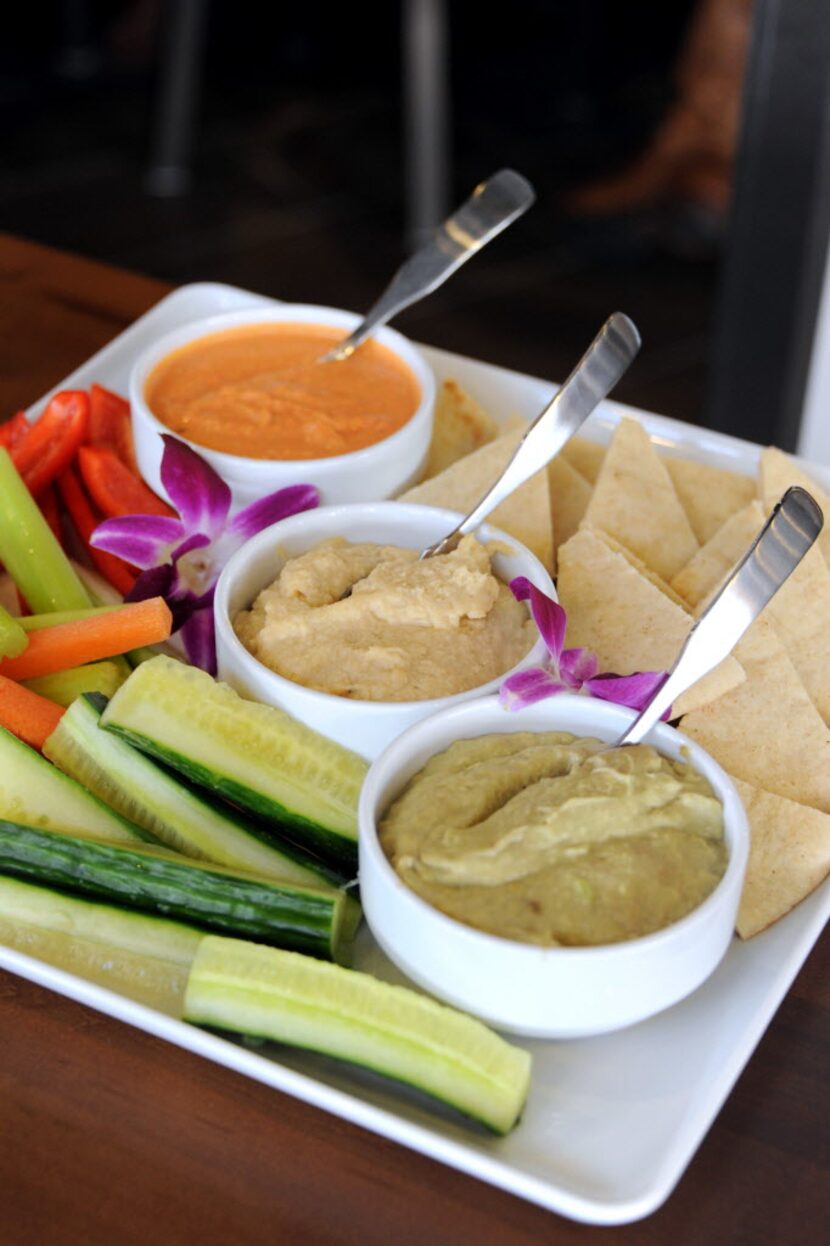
x: 515, y: 866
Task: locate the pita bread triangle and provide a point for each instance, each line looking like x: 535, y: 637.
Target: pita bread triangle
x: 570, y: 494
x: 461, y: 425
x: 789, y: 855
x: 709, y: 495
x: 635, y: 501
x: 718, y: 556
x: 525, y: 515
x: 625, y: 618
x: 777, y: 472
x: 584, y: 456
x: 800, y: 611
x: 767, y: 731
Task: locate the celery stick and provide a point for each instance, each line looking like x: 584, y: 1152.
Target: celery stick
x: 13, y: 639
x: 32, y: 622
x: 66, y: 686
x: 30, y: 551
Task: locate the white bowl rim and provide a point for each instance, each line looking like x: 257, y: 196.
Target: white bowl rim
x: 393, y: 757
x: 231, y: 464
x: 315, y: 695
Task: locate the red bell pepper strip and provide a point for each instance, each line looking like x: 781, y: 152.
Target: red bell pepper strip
x: 14, y: 430
x: 110, y: 426
x: 48, y: 503
x: 115, y: 570
x: 51, y: 442
x: 113, y: 487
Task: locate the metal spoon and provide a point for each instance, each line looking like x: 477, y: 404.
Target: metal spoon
x: 493, y: 206
x: 593, y: 378
x: 775, y: 553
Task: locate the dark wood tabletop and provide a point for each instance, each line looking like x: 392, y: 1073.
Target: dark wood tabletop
x: 111, y: 1136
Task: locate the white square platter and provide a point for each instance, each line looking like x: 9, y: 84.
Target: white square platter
x: 611, y: 1122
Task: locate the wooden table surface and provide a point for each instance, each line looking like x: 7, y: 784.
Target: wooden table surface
x: 110, y: 1136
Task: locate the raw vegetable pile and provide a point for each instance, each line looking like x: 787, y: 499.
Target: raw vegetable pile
x: 144, y: 806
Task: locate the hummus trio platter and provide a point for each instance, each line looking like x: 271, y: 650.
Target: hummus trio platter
x: 583, y: 1147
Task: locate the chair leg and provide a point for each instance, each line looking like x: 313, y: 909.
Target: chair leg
x: 426, y: 102
x: 169, y: 168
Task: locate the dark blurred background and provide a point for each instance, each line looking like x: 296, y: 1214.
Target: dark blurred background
x: 298, y: 169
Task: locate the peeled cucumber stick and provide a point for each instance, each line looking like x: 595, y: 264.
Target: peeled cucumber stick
x: 254, y: 755
x: 30, y: 551
x: 174, y: 811
x: 249, y: 989
x: 145, y: 958
x: 35, y: 792
x: 64, y: 687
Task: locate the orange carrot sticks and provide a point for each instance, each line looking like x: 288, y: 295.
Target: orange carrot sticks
x: 26, y: 714
x: 86, y: 640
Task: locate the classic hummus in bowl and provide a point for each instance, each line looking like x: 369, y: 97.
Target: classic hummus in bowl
x: 410, y: 637
x: 550, y: 906
x: 247, y: 391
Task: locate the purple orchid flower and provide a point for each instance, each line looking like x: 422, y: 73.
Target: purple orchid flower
x: 568, y: 670
x: 180, y: 559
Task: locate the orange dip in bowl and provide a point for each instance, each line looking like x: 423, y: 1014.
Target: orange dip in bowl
x: 260, y: 392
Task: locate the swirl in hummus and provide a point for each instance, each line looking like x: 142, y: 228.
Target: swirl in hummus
x: 407, y: 631
x: 550, y: 839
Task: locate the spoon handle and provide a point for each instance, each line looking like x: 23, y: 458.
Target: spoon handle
x: 596, y: 374
x: 493, y: 206
x: 775, y: 553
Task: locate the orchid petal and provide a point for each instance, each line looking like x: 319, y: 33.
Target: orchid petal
x: 635, y: 691
x: 199, y: 495
x: 155, y: 582
x: 262, y: 513
x: 143, y: 540
x: 578, y: 665
x: 529, y: 686
x: 199, y: 640
x: 548, y: 615
x: 197, y: 540
x: 182, y: 595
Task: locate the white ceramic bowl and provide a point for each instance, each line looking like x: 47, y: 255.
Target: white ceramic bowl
x: 376, y: 472
x: 364, y: 726
x: 534, y: 991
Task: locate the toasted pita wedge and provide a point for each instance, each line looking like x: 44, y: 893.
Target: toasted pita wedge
x: 789, y: 856
x: 709, y: 495
x: 525, y: 515
x: 800, y: 611
x: 570, y: 494
x: 585, y: 457
x: 777, y: 472
x: 635, y: 501
x: 718, y: 556
x: 626, y: 620
x: 460, y: 427
x: 768, y: 731
x: 646, y: 572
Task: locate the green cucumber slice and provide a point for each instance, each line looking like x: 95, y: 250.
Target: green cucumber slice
x: 35, y: 792
x: 257, y: 756
x: 146, y: 958
x: 211, y: 897
x: 254, y: 990
x: 167, y: 806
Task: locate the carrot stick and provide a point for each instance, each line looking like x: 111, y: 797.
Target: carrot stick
x: 87, y: 640
x: 26, y: 714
